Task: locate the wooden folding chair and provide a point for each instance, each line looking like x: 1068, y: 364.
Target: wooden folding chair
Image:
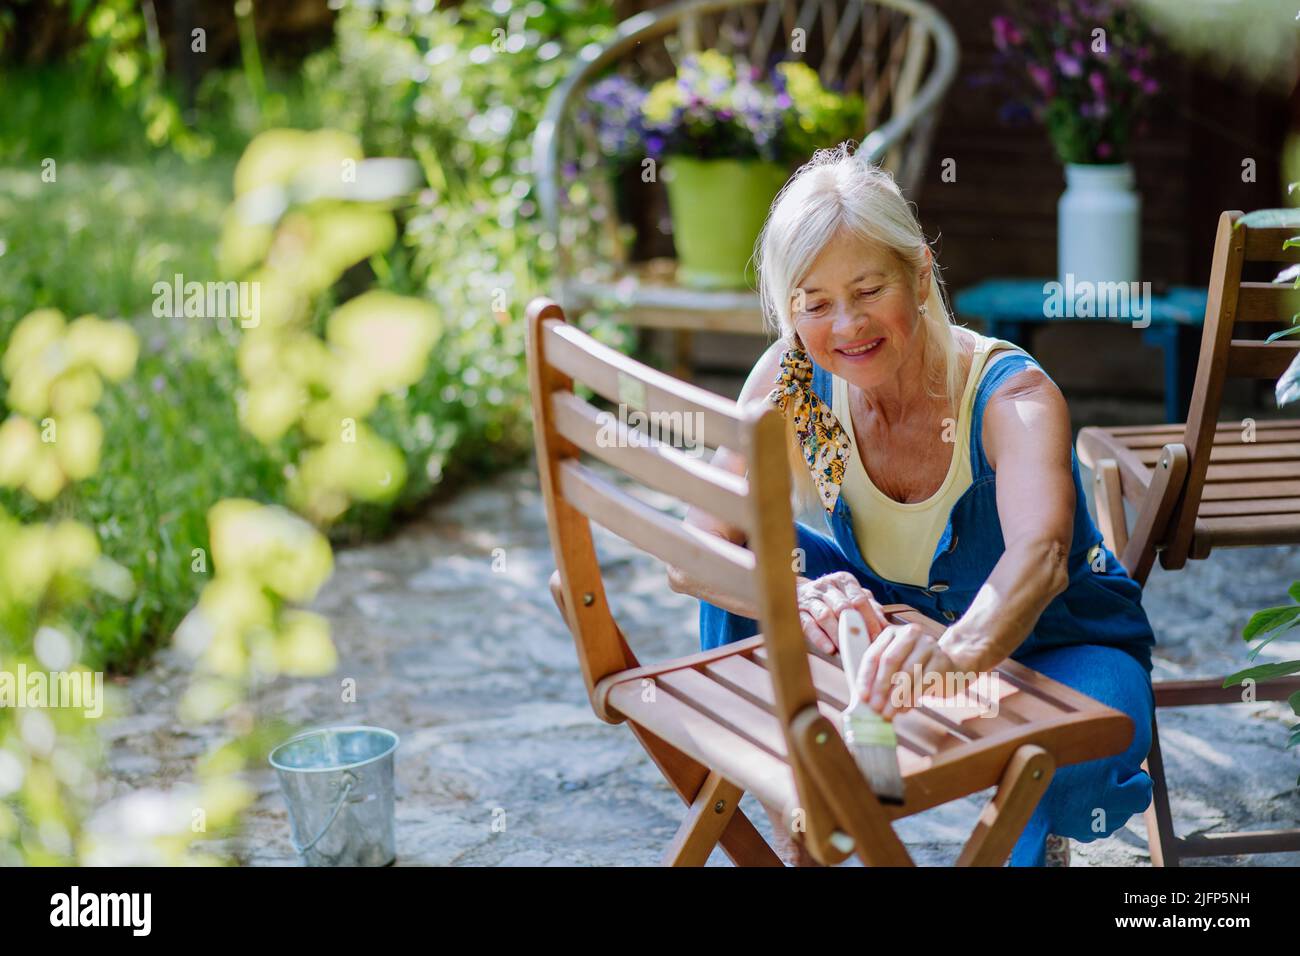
x: 1206, y: 485
x: 760, y: 715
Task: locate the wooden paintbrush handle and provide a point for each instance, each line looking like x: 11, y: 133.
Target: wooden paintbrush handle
x: 854, y: 641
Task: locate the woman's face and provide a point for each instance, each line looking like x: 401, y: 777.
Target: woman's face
x: 856, y: 311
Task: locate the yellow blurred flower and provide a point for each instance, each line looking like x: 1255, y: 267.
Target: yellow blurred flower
x: 73, y: 546
x: 45, y: 478
x: 77, y: 445
x: 270, y: 545
x: 277, y: 156
x: 271, y: 408
x: 713, y: 63
x: 33, y: 335
x: 664, y: 97
x: 20, y: 442
x: 109, y: 347
x: 385, y: 337
x: 304, y: 648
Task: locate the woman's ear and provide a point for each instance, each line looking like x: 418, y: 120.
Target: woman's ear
x: 925, y: 277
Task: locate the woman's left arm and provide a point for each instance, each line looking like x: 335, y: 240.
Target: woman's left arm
x: 1028, y: 442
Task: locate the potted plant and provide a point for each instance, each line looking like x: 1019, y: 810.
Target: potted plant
x: 1083, y: 70
x: 726, y: 140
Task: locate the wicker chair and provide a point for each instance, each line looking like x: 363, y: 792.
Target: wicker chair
x: 901, y: 53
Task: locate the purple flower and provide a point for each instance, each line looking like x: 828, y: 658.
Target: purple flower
x: 1068, y: 65
x: 1150, y: 87
x: 1042, y: 78
x: 1005, y: 33
x: 1098, y: 84
x: 158, y: 383
x: 1104, y: 150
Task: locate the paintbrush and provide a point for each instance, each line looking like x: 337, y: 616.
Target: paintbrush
x: 869, y: 736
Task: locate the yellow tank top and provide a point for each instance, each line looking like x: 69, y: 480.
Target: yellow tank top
x: 897, y: 539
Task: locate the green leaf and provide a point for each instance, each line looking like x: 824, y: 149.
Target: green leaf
x: 1293, y: 330
x: 1263, y: 621
x: 1271, y: 219
x: 1263, y: 672
x: 1294, y: 591
x: 1254, y: 651
x: 1294, y: 701
x: 1293, y: 241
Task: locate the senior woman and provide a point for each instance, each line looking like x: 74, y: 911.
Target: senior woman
x: 942, y: 463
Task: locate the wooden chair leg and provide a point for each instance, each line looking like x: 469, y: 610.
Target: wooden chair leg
x: 848, y: 793
x: 1149, y: 527
x: 1023, y: 783
x: 1161, y: 840
x: 707, y: 817
x: 1110, y: 506
x: 742, y: 843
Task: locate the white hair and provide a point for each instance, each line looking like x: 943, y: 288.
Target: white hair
x: 837, y: 190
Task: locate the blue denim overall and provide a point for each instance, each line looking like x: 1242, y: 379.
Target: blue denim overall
x: 1094, y: 636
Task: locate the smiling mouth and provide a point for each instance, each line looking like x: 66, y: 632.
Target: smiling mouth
x: 862, y: 348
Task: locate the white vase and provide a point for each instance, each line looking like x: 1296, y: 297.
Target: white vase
x: 1098, y: 223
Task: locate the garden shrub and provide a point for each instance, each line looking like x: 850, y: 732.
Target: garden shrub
x: 461, y: 91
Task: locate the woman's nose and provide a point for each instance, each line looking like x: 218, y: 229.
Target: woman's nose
x: 847, y: 317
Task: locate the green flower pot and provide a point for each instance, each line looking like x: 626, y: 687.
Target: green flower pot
x: 718, y: 208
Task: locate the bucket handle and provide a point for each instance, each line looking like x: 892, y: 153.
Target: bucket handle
x: 349, y: 780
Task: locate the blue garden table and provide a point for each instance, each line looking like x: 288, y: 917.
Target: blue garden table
x: 1011, y: 308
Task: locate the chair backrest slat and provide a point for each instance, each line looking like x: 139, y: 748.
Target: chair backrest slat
x: 1250, y: 359
x: 1265, y: 303
x: 614, y: 376
x: 1231, y: 303
x: 658, y: 465
x: 1265, y: 244
x: 727, y: 567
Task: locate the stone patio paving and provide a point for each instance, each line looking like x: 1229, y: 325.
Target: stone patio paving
x: 449, y: 632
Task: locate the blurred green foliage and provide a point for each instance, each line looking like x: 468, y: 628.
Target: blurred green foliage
x: 461, y: 91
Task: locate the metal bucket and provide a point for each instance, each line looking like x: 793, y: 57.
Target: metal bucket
x: 338, y: 785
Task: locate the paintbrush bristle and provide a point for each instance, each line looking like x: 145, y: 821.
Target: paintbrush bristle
x: 874, y: 745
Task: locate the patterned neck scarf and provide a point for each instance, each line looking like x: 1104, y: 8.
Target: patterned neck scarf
x: 825, y: 444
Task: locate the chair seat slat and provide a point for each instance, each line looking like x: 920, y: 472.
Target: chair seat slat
x: 1250, y: 506
x: 1240, y: 530
x: 748, y: 766
x: 756, y: 724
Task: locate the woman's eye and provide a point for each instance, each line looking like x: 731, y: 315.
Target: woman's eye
x: 869, y: 292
